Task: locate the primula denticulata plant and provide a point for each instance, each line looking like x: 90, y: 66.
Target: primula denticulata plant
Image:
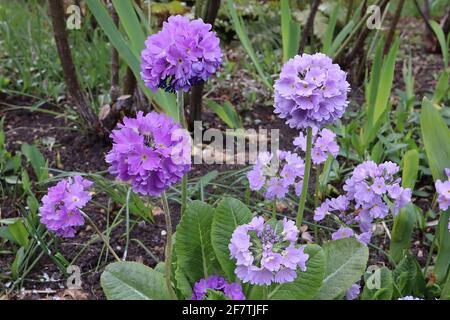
x: 226, y: 251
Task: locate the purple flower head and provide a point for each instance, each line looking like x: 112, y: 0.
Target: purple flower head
x: 182, y: 54
x: 152, y: 152
x: 276, y: 173
x: 443, y: 190
x: 60, y: 209
x: 323, y: 144
x: 267, y: 252
x: 233, y: 291
x: 372, y: 192
x: 311, y: 91
x: 353, y: 292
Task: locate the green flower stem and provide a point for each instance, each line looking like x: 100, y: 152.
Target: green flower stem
x: 302, y: 202
x: 89, y: 220
x: 127, y: 225
x: 316, y: 198
x: 168, y: 253
x: 182, y: 121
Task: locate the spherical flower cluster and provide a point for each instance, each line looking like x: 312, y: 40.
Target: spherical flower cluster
x: 266, y: 252
x: 443, y: 190
x: 232, y: 291
x: 152, y: 152
x: 353, y: 292
x: 182, y: 54
x: 276, y: 173
x: 311, y: 91
x: 323, y: 144
x: 372, y: 189
x: 60, y: 210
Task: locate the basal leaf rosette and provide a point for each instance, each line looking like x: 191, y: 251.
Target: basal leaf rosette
x: 151, y: 151
x: 267, y: 252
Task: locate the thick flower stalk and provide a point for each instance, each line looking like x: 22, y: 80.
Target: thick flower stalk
x: 232, y: 291
x: 61, y: 206
x: 323, y: 144
x: 181, y: 55
x: 266, y: 252
x: 311, y: 91
x: 152, y: 152
x: 276, y: 173
x: 370, y: 193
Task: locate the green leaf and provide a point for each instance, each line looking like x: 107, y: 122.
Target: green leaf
x: 346, y: 260
x: 378, y: 285
x: 441, y: 87
x: 328, y: 38
x: 435, y: 135
x: 404, y: 221
x: 37, y: 160
x: 130, y: 22
x: 19, y: 233
x: 133, y: 281
x: 227, y: 113
x: 408, y: 278
x: 17, y: 263
x: 243, y: 37
x: 442, y: 265
x: 229, y: 214
x: 308, y: 283
x: 195, y: 255
x: 290, y: 32
x: 442, y: 42
x: 445, y: 293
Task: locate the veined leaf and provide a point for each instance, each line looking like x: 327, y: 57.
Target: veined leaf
x: 307, y: 283
x: 195, y: 254
x: 133, y: 281
x: 229, y: 214
x: 346, y: 260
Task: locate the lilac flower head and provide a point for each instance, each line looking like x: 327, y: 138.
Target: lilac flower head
x: 60, y: 210
x: 267, y: 252
x: 443, y: 190
x: 323, y: 144
x: 311, y: 91
x: 152, y: 152
x: 370, y: 193
x: 182, y: 54
x: 233, y: 291
x: 276, y: 173
x: 345, y: 232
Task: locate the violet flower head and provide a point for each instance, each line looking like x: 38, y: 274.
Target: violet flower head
x: 266, y: 252
x: 345, y: 232
x: 323, y: 144
x: 443, y: 190
x: 311, y: 91
x: 232, y: 291
x: 276, y: 173
x: 371, y: 193
x: 181, y: 55
x: 60, y: 209
x: 152, y: 152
